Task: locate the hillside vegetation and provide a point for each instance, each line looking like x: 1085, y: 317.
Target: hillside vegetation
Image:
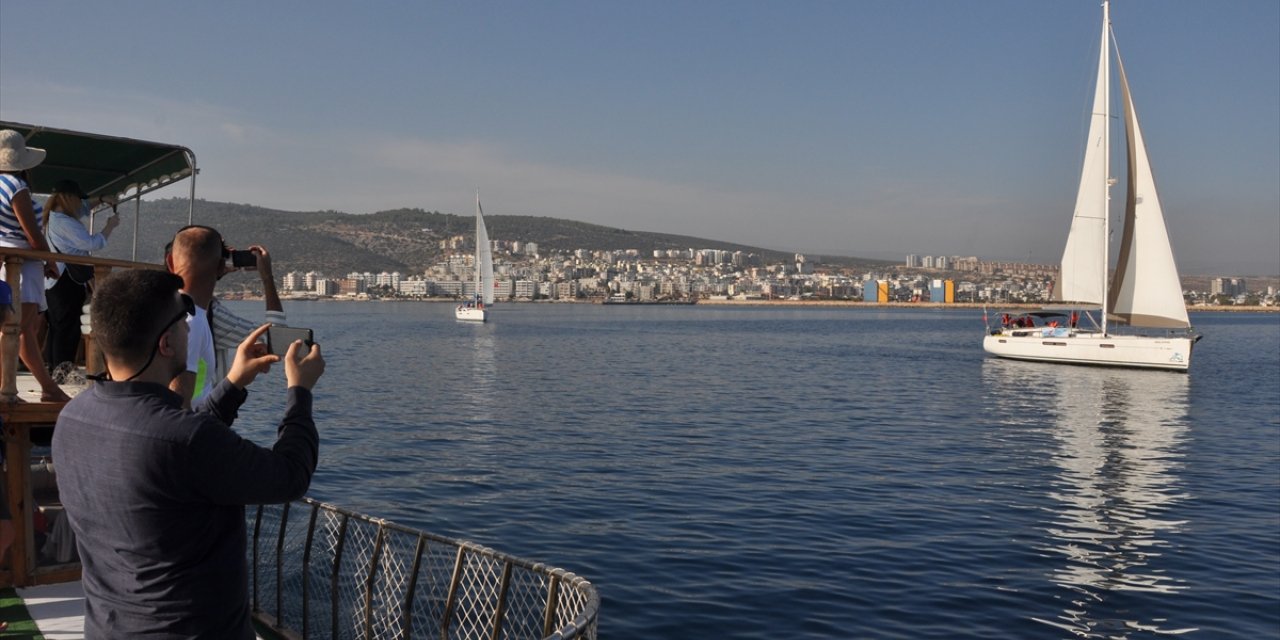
x: 405, y: 240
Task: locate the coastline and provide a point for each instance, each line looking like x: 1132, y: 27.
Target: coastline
x: 858, y: 304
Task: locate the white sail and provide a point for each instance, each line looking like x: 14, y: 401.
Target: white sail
x: 1084, y: 261
x: 1147, y: 291
x: 484, y: 258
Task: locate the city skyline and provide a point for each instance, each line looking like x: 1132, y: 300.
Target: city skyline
x: 524, y: 273
x: 857, y: 129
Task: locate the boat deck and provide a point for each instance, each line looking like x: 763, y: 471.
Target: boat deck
x: 57, y: 609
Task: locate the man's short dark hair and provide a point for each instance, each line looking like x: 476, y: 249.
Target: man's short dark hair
x: 128, y: 308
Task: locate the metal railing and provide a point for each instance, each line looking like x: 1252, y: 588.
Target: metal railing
x: 318, y: 571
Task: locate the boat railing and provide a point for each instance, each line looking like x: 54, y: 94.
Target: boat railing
x: 319, y: 571
x: 26, y: 564
x: 13, y: 258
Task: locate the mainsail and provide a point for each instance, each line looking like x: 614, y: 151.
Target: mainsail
x: 1084, y: 261
x: 484, y: 258
x: 1147, y: 291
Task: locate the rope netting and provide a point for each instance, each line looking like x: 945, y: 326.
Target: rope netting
x: 318, y: 571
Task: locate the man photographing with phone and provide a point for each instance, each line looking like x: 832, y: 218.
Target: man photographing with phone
x: 200, y: 256
x: 154, y: 493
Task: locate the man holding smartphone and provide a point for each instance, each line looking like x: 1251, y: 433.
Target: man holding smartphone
x: 156, y: 494
x: 199, y: 255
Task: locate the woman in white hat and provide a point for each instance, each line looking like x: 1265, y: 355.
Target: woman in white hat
x: 20, y: 228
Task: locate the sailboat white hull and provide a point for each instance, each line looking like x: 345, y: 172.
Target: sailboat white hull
x: 1091, y: 348
x: 470, y: 314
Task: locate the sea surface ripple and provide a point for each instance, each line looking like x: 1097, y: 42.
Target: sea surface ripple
x: 738, y: 472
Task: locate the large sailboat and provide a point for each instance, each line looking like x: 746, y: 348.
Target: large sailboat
x: 475, y: 310
x: 1139, y: 318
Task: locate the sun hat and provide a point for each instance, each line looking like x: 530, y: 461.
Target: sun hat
x: 15, y: 155
x: 70, y: 187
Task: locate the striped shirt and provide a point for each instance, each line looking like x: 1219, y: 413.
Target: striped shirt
x: 10, y: 228
x: 229, y: 330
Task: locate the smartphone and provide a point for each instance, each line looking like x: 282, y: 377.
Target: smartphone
x: 244, y: 259
x: 280, y: 337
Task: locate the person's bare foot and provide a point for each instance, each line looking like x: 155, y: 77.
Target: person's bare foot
x: 55, y: 396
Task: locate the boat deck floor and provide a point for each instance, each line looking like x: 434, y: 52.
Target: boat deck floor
x: 57, y: 609
x: 29, y: 389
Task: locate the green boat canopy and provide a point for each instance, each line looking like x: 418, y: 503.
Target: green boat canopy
x: 104, y: 165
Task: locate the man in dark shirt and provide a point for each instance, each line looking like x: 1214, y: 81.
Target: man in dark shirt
x: 156, y: 494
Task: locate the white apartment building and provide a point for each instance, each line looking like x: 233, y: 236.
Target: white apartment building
x: 389, y: 280
x: 293, y: 281
x: 414, y: 287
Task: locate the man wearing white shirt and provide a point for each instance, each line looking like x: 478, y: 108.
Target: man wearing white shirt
x: 199, y: 255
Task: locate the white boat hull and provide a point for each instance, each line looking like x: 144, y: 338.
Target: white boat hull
x: 470, y: 314
x: 1091, y: 348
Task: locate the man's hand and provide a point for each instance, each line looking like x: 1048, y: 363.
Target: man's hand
x: 303, y: 368
x: 264, y: 261
x: 252, y: 359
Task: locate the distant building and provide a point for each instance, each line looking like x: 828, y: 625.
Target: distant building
x: 567, y: 290
x: 293, y: 281
x: 448, y: 287
x: 326, y: 287
x: 1228, y: 286
x: 350, y: 286
x: 913, y: 261
x: 942, y: 291
x: 392, y: 280
x: 414, y: 287
x: 502, y: 288
x: 875, y: 291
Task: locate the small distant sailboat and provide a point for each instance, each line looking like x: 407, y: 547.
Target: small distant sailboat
x: 475, y: 310
x: 1145, y: 290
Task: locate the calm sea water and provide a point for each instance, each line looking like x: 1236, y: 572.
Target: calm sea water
x: 727, y: 472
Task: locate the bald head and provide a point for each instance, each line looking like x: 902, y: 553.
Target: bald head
x: 197, y: 255
x: 197, y: 249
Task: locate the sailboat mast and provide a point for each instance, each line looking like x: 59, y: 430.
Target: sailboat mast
x: 1105, y: 67
x: 479, y: 291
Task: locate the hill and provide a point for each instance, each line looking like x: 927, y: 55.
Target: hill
x: 405, y: 240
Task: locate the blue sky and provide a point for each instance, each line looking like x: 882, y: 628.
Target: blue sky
x: 853, y: 127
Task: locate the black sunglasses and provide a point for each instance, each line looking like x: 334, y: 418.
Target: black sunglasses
x: 188, y: 309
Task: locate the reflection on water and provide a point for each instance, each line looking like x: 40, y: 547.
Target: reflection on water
x: 1119, y: 442
x: 478, y: 395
